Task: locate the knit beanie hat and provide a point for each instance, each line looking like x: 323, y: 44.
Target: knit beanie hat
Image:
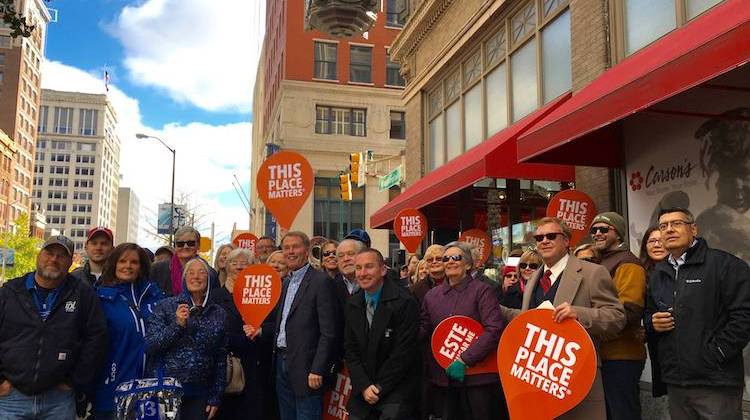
x: 613, y: 219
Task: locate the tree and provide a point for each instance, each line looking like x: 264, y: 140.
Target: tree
x: 17, y: 23
x: 25, y: 246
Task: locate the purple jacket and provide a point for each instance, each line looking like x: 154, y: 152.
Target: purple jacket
x: 472, y: 298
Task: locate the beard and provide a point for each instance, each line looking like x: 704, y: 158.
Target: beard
x: 51, y: 273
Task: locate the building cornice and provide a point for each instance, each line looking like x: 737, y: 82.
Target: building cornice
x: 417, y: 27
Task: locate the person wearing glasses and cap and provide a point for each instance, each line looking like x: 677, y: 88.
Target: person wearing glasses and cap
x: 623, y: 357
x: 98, y: 247
x: 168, y: 274
x: 578, y: 290
x: 53, y: 337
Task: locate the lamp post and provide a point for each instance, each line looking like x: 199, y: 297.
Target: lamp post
x: 171, y: 201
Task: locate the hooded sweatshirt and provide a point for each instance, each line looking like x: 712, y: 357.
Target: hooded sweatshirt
x: 127, y: 307
x: 195, y: 354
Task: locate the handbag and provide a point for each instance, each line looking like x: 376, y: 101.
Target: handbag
x: 235, y: 375
x: 149, y: 398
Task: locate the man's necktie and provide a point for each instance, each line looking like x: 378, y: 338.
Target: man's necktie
x: 546, y: 281
x: 370, y: 312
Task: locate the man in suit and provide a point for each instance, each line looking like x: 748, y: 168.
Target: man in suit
x: 381, y: 346
x: 345, y: 283
x: 306, y: 336
x: 579, y: 290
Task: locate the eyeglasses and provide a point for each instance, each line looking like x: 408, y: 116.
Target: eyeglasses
x: 183, y: 244
x: 652, y: 242
x: 457, y: 257
x: 602, y: 229
x: 675, y: 224
x: 550, y: 236
x: 509, y: 275
x: 329, y: 253
x: 532, y: 266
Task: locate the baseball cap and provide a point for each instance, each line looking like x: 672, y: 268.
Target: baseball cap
x: 359, y: 235
x: 99, y: 229
x: 61, y: 240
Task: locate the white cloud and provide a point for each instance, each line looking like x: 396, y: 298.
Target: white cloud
x: 202, y: 52
x: 207, y: 156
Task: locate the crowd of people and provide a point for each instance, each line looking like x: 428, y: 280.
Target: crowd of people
x: 69, y: 339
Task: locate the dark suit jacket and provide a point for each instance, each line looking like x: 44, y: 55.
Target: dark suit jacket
x: 387, y: 353
x: 312, y: 332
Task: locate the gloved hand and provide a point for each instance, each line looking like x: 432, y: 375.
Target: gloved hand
x: 456, y: 371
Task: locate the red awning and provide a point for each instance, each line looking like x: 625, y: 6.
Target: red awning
x: 493, y: 158
x: 705, y: 48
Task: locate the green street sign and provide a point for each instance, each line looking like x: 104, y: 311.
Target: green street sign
x: 391, y: 179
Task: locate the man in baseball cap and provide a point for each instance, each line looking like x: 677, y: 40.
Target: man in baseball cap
x: 53, y: 338
x: 99, y: 244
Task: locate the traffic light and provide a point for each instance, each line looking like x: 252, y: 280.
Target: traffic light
x: 355, y: 160
x: 345, y: 182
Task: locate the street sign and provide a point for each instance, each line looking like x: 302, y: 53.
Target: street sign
x: 181, y: 216
x: 391, y: 179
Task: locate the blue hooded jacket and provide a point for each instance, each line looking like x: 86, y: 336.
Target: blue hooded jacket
x: 195, y: 354
x: 127, y: 307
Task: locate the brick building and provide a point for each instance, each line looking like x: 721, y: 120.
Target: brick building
x: 325, y: 98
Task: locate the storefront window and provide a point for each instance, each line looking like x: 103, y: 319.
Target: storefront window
x: 497, y: 100
x: 646, y: 21
x: 453, y: 130
x: 556, y: 57
x: 523, y: 76
x: 696, y: 7
x: 473, y: 116
x: 437, y: 143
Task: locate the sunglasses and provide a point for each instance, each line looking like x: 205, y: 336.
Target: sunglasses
x: 182, y: 244
x: 457, y: 257
x: 532, y: 266
x: 329, y: 253
x: 602, y: 229
x: 550, y: 236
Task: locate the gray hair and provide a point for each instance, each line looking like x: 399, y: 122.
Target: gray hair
x: 358, y: 245
x: 465, y: 250
x: 193, y: 261
x: 188, y: 229
x: 241, y: 252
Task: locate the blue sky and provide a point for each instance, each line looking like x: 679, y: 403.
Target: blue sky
x: 82, y: 38
x: 182, y: 70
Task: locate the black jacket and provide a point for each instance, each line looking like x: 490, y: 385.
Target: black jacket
x: 69, y: 347
x: 312, y: 331
x: 387, y: 353
x: 84, y: 273
x: 710, y: 298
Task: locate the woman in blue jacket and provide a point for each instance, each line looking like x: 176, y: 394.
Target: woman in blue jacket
x: 127, y: 298
x: 185, y: 336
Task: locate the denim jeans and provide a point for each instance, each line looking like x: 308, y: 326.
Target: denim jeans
x: 292, y: 407
x: 54, y: 404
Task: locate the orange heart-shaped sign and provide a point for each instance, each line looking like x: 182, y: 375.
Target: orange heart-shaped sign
x: 576, y: 209
x: 410, y: 226
x: 546, y: 367
x: 285, y: 180
x: 336, y: 399
x: 246, y: 240
x: 455, y: 334
x: 480, y: 240
x: 256, y: 291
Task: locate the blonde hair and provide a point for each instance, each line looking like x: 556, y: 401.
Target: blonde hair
x: 415, y: 277
x: 222, y: 271
x: 434, y: 250
x: 531, y: 256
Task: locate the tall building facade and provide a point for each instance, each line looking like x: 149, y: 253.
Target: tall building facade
x: 128, y: 212
x: 327, y: 98
x: 77, y: 163
x: 20, y: 95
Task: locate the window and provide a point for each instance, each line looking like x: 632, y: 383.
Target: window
x: 63, y: 120
x: 87, y: 147
x: 523, y: 64
x: 398, y: 125
x: 59, y: 157
x: 2, y: 77
x: 360, y: 64
x: 645, y: 21
x: 85, y: 159
x: 396, y: 13
x: 84, y: 171
x: 2, y: 59
x: 87, y: 121
x: 60, y: 145
x: 325, y: 60
x: 83, y: 183
x: 80, y: 195
x: 57, y: 194
x: 43, y: 116
x: 5, y: 41
x: 59, y: 170
x: 58, y: 182
x: 346, y: 121
x: 56, y: 207
x: 393, y: 72
x: 332, y: 217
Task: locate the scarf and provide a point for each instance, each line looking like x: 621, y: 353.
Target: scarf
x: 175, y: 272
